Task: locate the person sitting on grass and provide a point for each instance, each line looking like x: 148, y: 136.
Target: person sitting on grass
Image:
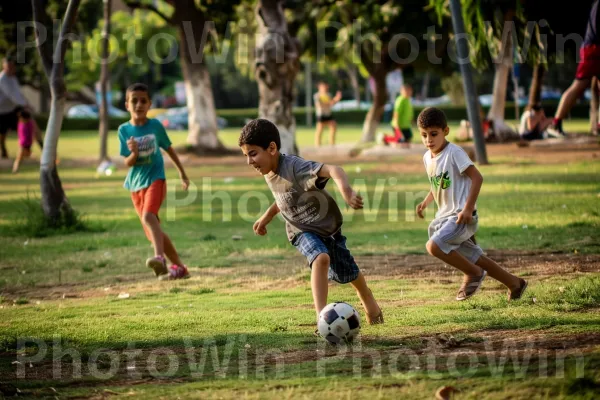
x: 533, y: 124
x: 313, y: 218
x: 455, y: 184
x: 141, y: 140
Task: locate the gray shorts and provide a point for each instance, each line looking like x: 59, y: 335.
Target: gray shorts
x: 449, y: 235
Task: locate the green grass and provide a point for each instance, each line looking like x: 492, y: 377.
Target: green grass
x: 84, y: 144
x: 249, y: 301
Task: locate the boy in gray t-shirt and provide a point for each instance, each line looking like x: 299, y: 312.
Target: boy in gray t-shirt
x: 312, y: 217
x: 455, y: 184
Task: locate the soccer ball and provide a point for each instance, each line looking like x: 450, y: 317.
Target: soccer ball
x: 105, y: 168
x: 338, y: 322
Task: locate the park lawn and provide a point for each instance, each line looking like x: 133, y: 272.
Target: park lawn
x: 84, y: 144
x: 250, y: 302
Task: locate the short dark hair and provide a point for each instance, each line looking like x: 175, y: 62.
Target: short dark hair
x: 136, y: 87
x: 24, y: 114
x: 260, y: 132
x: 432, y: 117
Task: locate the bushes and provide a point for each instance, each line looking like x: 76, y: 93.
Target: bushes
x: 238, y: 117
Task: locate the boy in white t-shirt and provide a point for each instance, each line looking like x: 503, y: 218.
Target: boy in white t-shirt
x: 455, y: 184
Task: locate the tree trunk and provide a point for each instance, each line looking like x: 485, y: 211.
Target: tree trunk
x: 535, y: 90
x: 376, y: 111
x: 425, y: 87
x: 503, y: 67
x: 104, y: 73
x: 354, y: 81
x: 202, y: 115
x: 594, y: 107
x: 54, y: 199
x: 277, y: 64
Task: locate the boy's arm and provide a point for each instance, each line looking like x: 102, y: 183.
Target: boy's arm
x: 466, y: 215
x: 424, y: 204
x: 173, y: 156
x: 428, y: 199
x: 336, y: 173
x: 133, y: 156
x: 260, y: 226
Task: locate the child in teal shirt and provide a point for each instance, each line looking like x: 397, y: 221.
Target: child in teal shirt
x: 141, y: 140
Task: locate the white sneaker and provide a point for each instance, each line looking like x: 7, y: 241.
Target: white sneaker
x: 555, y: 133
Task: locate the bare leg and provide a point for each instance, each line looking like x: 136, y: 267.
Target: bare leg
x: 570, y: 96
x: 318, y: 134
x: 170, y: 251
x: 319, y: 281
x: 332, y: 131
x: 365, y: 295
x: 151, y: 222
x: 499, y: 273
x: 18, y: 159
x: 455, y: 259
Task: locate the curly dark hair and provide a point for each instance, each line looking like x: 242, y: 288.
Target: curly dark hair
x: 432, y: 117
x: 260, y: 132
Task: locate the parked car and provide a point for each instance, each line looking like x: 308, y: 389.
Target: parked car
x: 177, y: 119
x: 350, y: 105
x: 92, y: 111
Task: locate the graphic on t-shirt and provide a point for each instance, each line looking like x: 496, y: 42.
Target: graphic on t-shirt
x: 442, y: 179
x: 146, y: 148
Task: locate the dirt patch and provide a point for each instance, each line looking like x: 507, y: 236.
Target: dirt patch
x: 292, y: 271
x: 537, y: 263
x: 513, y: 350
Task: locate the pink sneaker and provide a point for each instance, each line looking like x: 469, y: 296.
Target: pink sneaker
x: 175, y: 272
x: 158, y: 264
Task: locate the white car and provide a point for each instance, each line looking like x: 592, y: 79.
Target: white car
x: 91, y: 111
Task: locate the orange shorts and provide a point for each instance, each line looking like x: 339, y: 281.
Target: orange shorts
x: 149, y: 200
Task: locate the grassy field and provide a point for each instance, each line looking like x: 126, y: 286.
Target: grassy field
x: 84, y: 144
x: 81, y: 316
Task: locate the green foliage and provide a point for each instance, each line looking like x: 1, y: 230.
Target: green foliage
x: 21, y: 301
x: 31, y: 222
x: 576, y: 294
x: 453, y: 87
x: 201, y: 291
x: 133, y: 50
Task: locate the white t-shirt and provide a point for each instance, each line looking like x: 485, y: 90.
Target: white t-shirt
x: 449, y: 185
x: 523, y: 125
x: 10, y: 93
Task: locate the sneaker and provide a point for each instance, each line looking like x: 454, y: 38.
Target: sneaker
x: 175, y: 272
x: 555, y: 132
x: 158, y: 264
x: 518, y: 293
x: 470, y: 287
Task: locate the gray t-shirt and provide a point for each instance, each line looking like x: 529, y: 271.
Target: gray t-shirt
x: 449, y: 184
x: 302, y: 199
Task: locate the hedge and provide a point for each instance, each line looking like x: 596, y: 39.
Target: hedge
x: 238, y: 117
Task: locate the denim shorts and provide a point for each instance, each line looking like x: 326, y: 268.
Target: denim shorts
x: 342, y: 268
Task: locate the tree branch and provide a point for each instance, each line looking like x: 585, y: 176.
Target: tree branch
x: 142, y: 6
x: 67, y: 26
x: 41, y: 19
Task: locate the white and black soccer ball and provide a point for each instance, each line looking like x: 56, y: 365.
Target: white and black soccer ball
x: 338, y: 322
